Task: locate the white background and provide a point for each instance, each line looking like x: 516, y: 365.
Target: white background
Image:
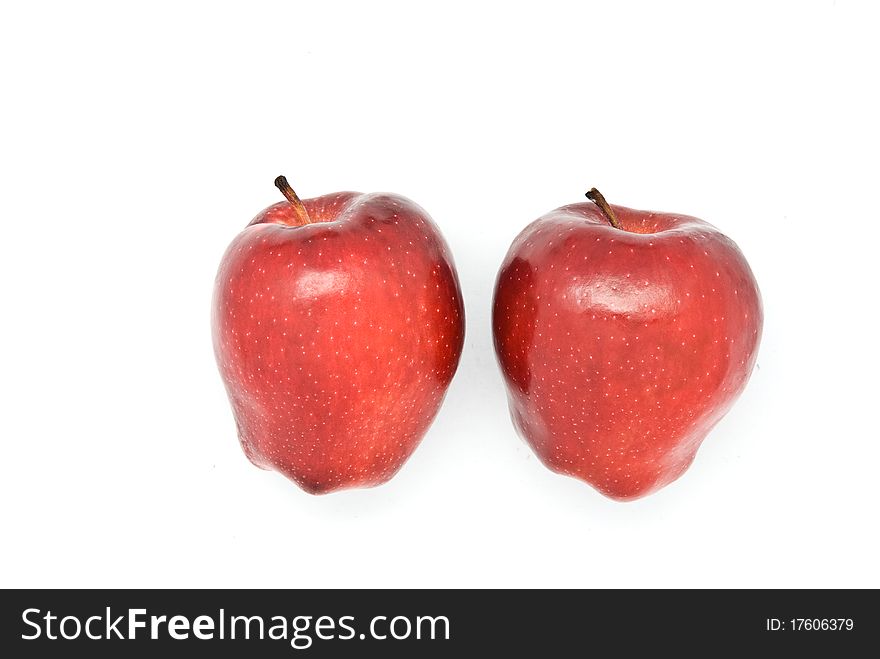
x: 137, y: 141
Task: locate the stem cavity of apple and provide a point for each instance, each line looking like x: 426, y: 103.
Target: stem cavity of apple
x: 596, y: 197
x: 301, y: 213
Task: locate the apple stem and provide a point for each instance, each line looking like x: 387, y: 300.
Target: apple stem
x: 596, y: 197
x: 300, y: 210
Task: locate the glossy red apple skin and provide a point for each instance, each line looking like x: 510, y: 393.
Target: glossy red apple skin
x: 337, y: 340
x: 622, y: 348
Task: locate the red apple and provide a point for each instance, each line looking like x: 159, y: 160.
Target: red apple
x: 624, y: 336
x: 337, y: 325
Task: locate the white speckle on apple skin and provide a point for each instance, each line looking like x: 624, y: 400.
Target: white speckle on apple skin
x: 337, y: 340
x: 621, y: 349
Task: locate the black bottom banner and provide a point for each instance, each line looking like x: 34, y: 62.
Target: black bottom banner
x: 317, y: 623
